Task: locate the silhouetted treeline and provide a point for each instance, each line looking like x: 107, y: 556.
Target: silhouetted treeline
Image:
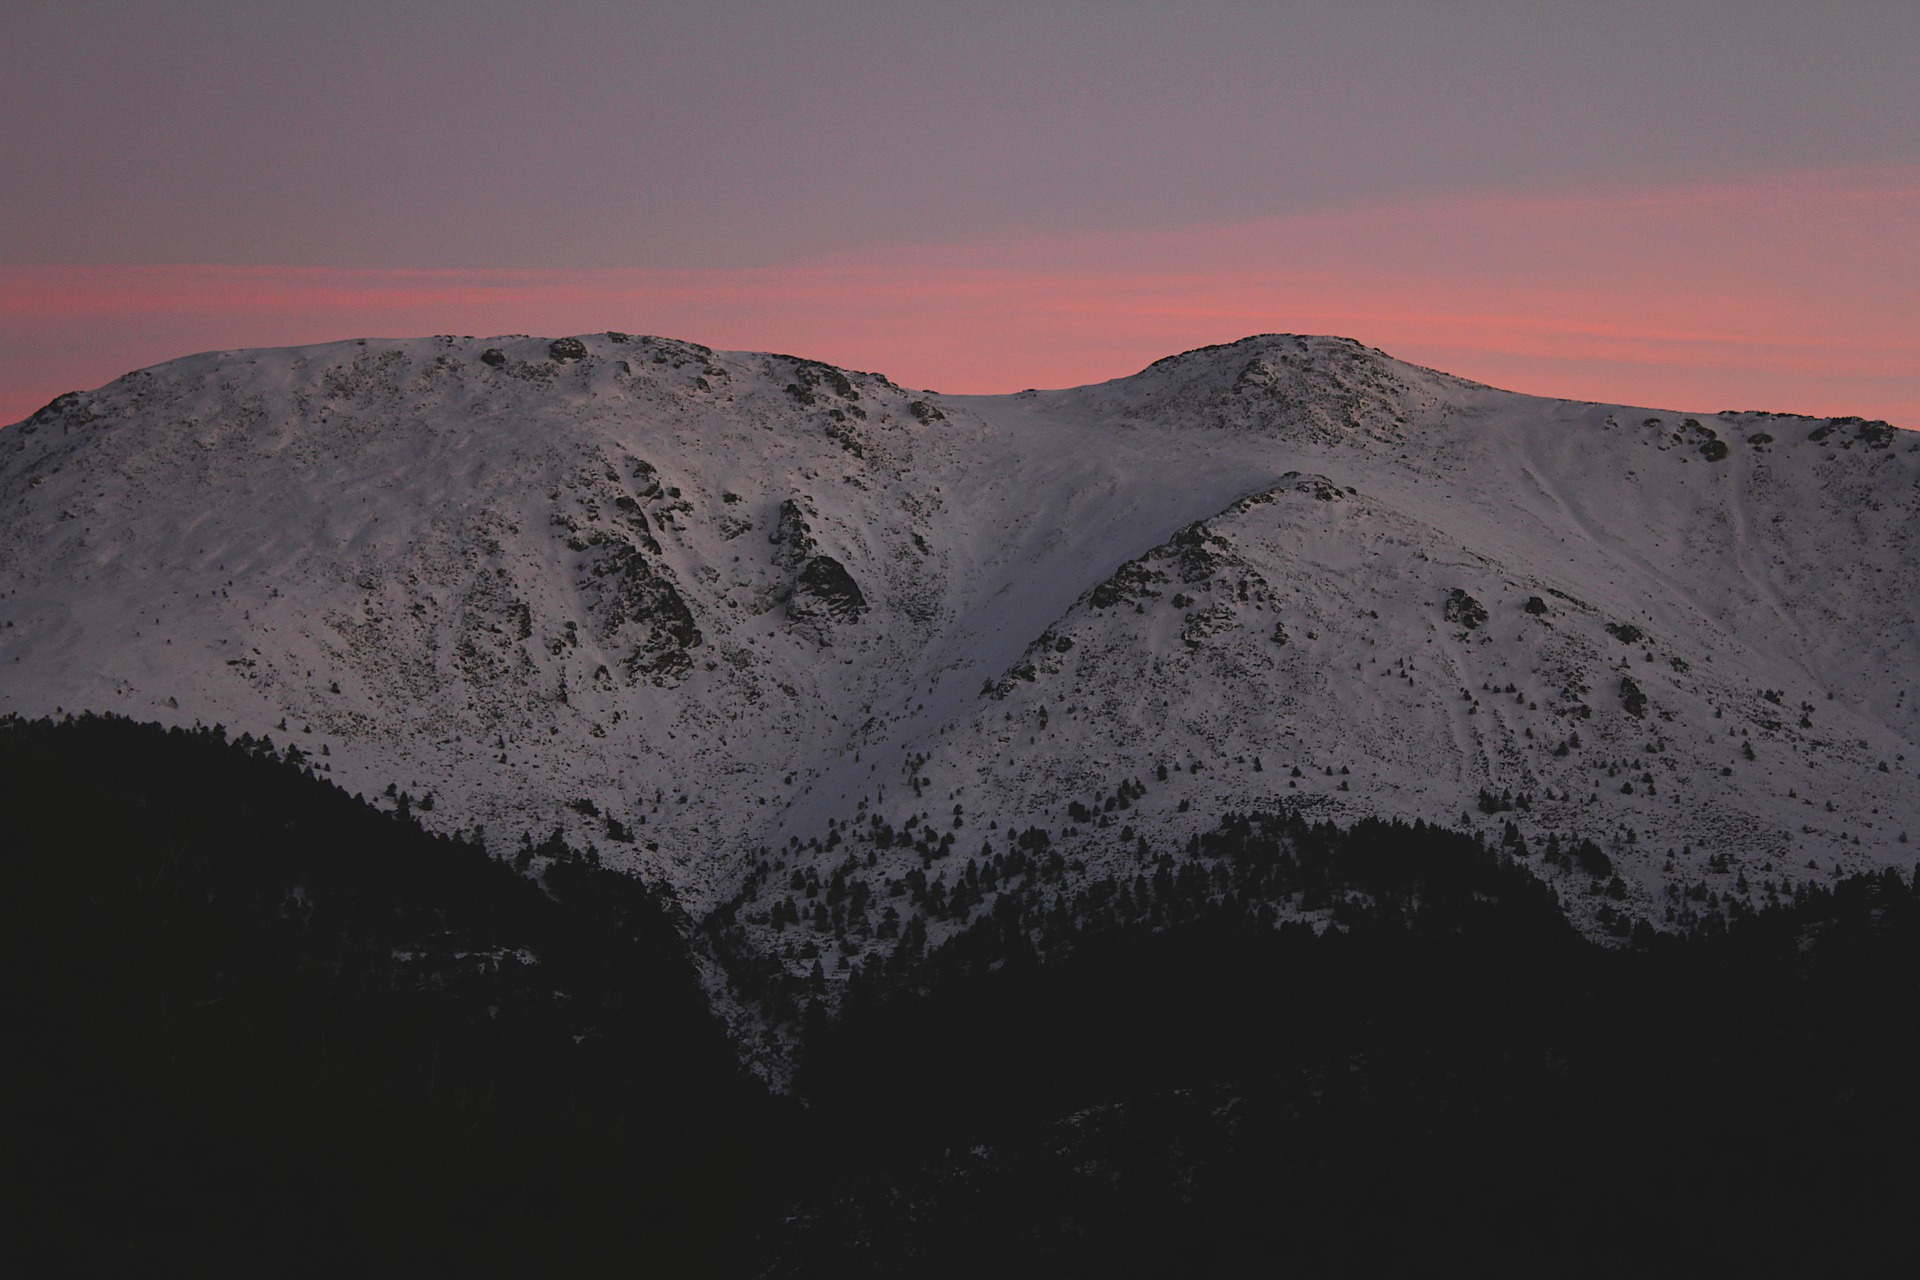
x: 1447, y: 1073
x: 254, y: 1025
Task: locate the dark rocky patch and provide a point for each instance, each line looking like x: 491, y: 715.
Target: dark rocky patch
x: 1192, y: 548
x: 1206, y: 622
x: 791, y: 537
x: 631, y: 592
x: 1574, y: 600
x: 567, y: 349
x: 1877, y: 435
x: 825, y: 591
x: 1130, y: 583
x: 1320, y: 487
x: 1631, y: 699
x: 71, y: 410
x: 1872, y: 434
x: 1463, y: 609
x: 54, y: 408
x: 844, y: 434
x: 814, y: 374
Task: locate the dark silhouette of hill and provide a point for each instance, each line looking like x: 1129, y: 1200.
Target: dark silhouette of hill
x: 254, y: 1025
x: 1449, y: 1075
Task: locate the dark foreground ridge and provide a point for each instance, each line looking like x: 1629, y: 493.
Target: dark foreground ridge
x: 256, y: 1025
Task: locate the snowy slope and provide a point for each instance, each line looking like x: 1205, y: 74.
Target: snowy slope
x: 732, y: 600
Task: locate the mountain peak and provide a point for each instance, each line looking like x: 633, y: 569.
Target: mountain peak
x: 754, y: 606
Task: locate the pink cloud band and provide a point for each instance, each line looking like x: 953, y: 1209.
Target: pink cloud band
x: 1798, y: 292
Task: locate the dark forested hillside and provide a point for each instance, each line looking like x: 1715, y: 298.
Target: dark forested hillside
x: 256, y: 1025
x: 253, y: 1024
x: 1448, y: 1071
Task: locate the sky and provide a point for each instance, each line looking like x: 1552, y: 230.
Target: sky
x: 1693, y: 206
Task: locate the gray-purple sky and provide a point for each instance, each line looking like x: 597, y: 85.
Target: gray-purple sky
x: 1501, y: 188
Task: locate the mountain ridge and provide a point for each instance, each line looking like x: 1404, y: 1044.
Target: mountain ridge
x: 710, y: 610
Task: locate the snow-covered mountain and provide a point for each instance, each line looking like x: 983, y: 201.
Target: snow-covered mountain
x: 691, y: 605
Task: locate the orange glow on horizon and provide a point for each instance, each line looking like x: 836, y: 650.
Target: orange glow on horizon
x: 1795, y: 293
